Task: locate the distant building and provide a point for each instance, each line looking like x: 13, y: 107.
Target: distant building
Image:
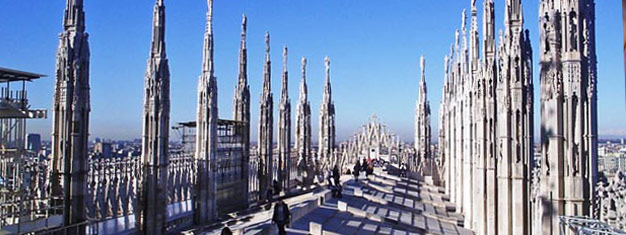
x: 103, y: 149
x: 621, y: 163
x: 33, y: 142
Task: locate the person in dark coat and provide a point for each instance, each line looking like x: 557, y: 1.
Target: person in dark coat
x: 281, y: 216
x: 276, y: 186
x: 336, y: 173
x: 226, y: 231
x: 403, y: 170
x: 329, y: 177
x: 269, y: 194
x: 357, y: 168
x: 364, y: 165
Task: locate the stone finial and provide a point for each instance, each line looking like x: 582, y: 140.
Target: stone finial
x: 244, y: 26
x: 451, y: 51
x: 422, y: 63
x: 210, y: 12
x: 74, y: 15
x: 285, y: 59
x: 267, y: 42
x: 463, y: 19
x: 267, y: 46
x: 327, y: 63
x: 303, y: 89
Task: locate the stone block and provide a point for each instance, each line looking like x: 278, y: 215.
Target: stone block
x: 315, y: 228
x: 342, y: 206
x: 358, y: 192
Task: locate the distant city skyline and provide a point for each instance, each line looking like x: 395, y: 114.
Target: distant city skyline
x: 375, y: 58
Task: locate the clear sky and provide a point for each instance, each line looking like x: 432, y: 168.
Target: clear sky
x: 374, y: 47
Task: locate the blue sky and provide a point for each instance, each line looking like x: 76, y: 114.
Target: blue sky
x: 374, y: 47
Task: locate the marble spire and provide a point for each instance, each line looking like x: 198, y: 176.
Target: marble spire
x: 489, y: 72
x: 515, y: 121
x: 70, y: 122
x: 74, y: 18
x: 155, y: 159
x: 266, y: 120
x: 241, y: 100
x: 284, y: 130
x: 568, y: 77
x: 478, y: 124
x: 205, y: 208
x: 326, y: 142
x: 422, y: 118
x: 474, y: 41
x: 303, y: 132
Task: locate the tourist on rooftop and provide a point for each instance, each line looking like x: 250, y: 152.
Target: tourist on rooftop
x: 329, y: 177
x: 281, y: 216
x: 336, y: 174
x: 357, y: 168
x: 268, y: 195
x: 276, y: 186
x: 226, y: 231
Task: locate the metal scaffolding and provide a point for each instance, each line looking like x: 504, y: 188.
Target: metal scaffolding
x: 583, y: 225
x: 22, y: 171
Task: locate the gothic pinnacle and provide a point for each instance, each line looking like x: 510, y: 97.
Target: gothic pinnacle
x: 474, y: 35
x: 513, y: 15
x: 267, y: 67
x: 243, y: 60
x: 303, y: 87
x: 284, y: 93
x: 423, y: 78
x: 74, y: 18
x: 209, y: 16
x: 208, y: 43
x: 423, y: 67
x: 285, y: 59
x: 244, y: 26
x: 158, y: 24
x: 456, y: 39
x: 327, y: 64
x: 303, y: 69
x: 267, y: 46
x: 463, y: 20
x: 488, y: 30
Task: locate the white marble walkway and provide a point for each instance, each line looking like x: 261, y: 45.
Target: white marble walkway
x: 384, y: 204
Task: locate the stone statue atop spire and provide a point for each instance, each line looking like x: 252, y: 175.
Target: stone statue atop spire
x: 155, y: 154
